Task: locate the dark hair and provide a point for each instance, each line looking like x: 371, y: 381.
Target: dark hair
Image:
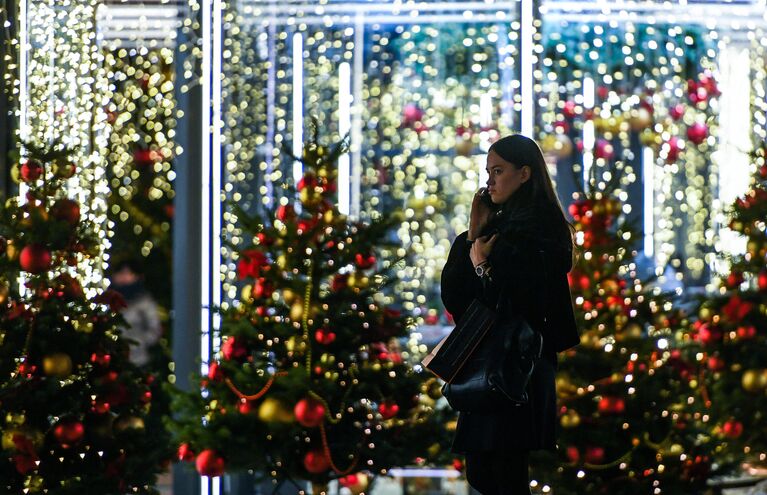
x: 538, y: 189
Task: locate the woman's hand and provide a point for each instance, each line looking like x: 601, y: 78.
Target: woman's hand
x: 480, y: 215
x: 480, y: 249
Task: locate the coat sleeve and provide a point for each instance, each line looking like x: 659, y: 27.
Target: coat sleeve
x: 534, y: 277
x: 459, y: 284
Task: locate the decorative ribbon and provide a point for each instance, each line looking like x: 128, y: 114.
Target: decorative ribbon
x: 326, y: 450
x: 258, y: 394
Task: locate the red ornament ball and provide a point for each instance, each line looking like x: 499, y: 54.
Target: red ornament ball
x: 233, y: 348
x: 611, y: 405
x: 348, y: 480
x: 388, y: 409
x: 34, y: 258
x: 734, y: 279
x: 285, y: 213
x: 185, y: 453
x: 209, y: 463
x: 325, y: 337
x: 594, y: 455
x: 672, y: 149
x: 761, y: 281
x: 732, y: 428
x: 697, y: 133
x: 30, y: 171
x: 316, y: 462
x: 677, y: 111
x: 573, y: 454
x: 66, y: 210
x: 364, y: 261
x: 68, y: 432
x: 604, y: 149
x: 309, y: 412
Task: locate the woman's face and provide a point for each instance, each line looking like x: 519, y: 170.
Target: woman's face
x: 504, y: 178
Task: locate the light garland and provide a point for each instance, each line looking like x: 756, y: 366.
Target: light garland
x: 66, y: 89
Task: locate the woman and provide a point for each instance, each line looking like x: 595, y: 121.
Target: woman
x: 521, y: 241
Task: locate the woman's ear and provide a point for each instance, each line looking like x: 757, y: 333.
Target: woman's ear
x: 526, y: 173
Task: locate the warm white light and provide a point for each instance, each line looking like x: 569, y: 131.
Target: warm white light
x: 648, y: 177
x: 298, y: 104
x: 344, y: 127
x: 526, y: 70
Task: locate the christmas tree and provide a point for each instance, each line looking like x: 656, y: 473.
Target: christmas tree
x: 312, y: 379
x: 622, y: 395
x: 76, y: 413
x: 727, y: 340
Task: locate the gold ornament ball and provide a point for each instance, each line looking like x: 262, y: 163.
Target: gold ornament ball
x: 58, y: 364
x: 7, y: 442
x: 288, y: 296
x: 633, y: 330
x: 273, y: 411
x: 640, y: 119
x: 463, y: 147
x: 3, y: 292
x: 754, y: 380
x: 676, y: 449
x: 125, y: 423
x: 297, y: 310
x: 704, y: 313
x: 570, y: 419
x: 11, y: 251
x: 434, y: 449
x: 83, y: 325
x: 282, y: 261
x: 15, y: 419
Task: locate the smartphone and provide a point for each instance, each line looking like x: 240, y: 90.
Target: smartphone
x: 484, y: 196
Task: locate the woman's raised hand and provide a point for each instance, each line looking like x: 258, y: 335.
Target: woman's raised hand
x: 480, y: 215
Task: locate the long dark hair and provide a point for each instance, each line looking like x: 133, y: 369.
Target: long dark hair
x: 538, y: 189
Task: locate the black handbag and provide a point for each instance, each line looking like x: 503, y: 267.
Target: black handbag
x: 498, y: 370
x: 486, y: 360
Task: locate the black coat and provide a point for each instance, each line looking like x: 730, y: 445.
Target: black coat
x: 532, y: 268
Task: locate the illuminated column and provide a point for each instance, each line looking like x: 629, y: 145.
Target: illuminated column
x: 298, y: 104
x: 734, y: 141
x: 527, y: 17
x: 344, y: 126
x: 648, y: 178
x: 588, y: 129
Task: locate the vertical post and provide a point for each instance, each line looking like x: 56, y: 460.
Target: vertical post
x: 527, y: 57
x: 356, y: 130
x: 298, y: 104
x: 187, y: 241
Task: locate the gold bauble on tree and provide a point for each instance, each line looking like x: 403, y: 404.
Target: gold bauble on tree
x: 273, y: 411
x: 297, y: 310
x: 288, y: 296
x: 125, y: 423
x: 754, y: 380
x: 58, y: 364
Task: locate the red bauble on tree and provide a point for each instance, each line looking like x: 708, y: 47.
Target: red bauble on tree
x: 324, y: 336
x: 732, y: 428
x: 67, y: 211
x: 604, y: 149
x: 677, y: 111
x: 309, y: 412
x: 411, y: 114
x: 388, y: 409
x: 234, y: 348
x: 594, y: 455
x: 316, y: 462
x: 30, y: 171
x: 611, y: 405
x: 761, y: 281
x: 185, y: 453
x: 68, y: 432
x: 209, y: 463
x: 672, y: 149
x: 35, y: 258
x: 697, y: 133
x: 364, y: 261
x: 285, y: 213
